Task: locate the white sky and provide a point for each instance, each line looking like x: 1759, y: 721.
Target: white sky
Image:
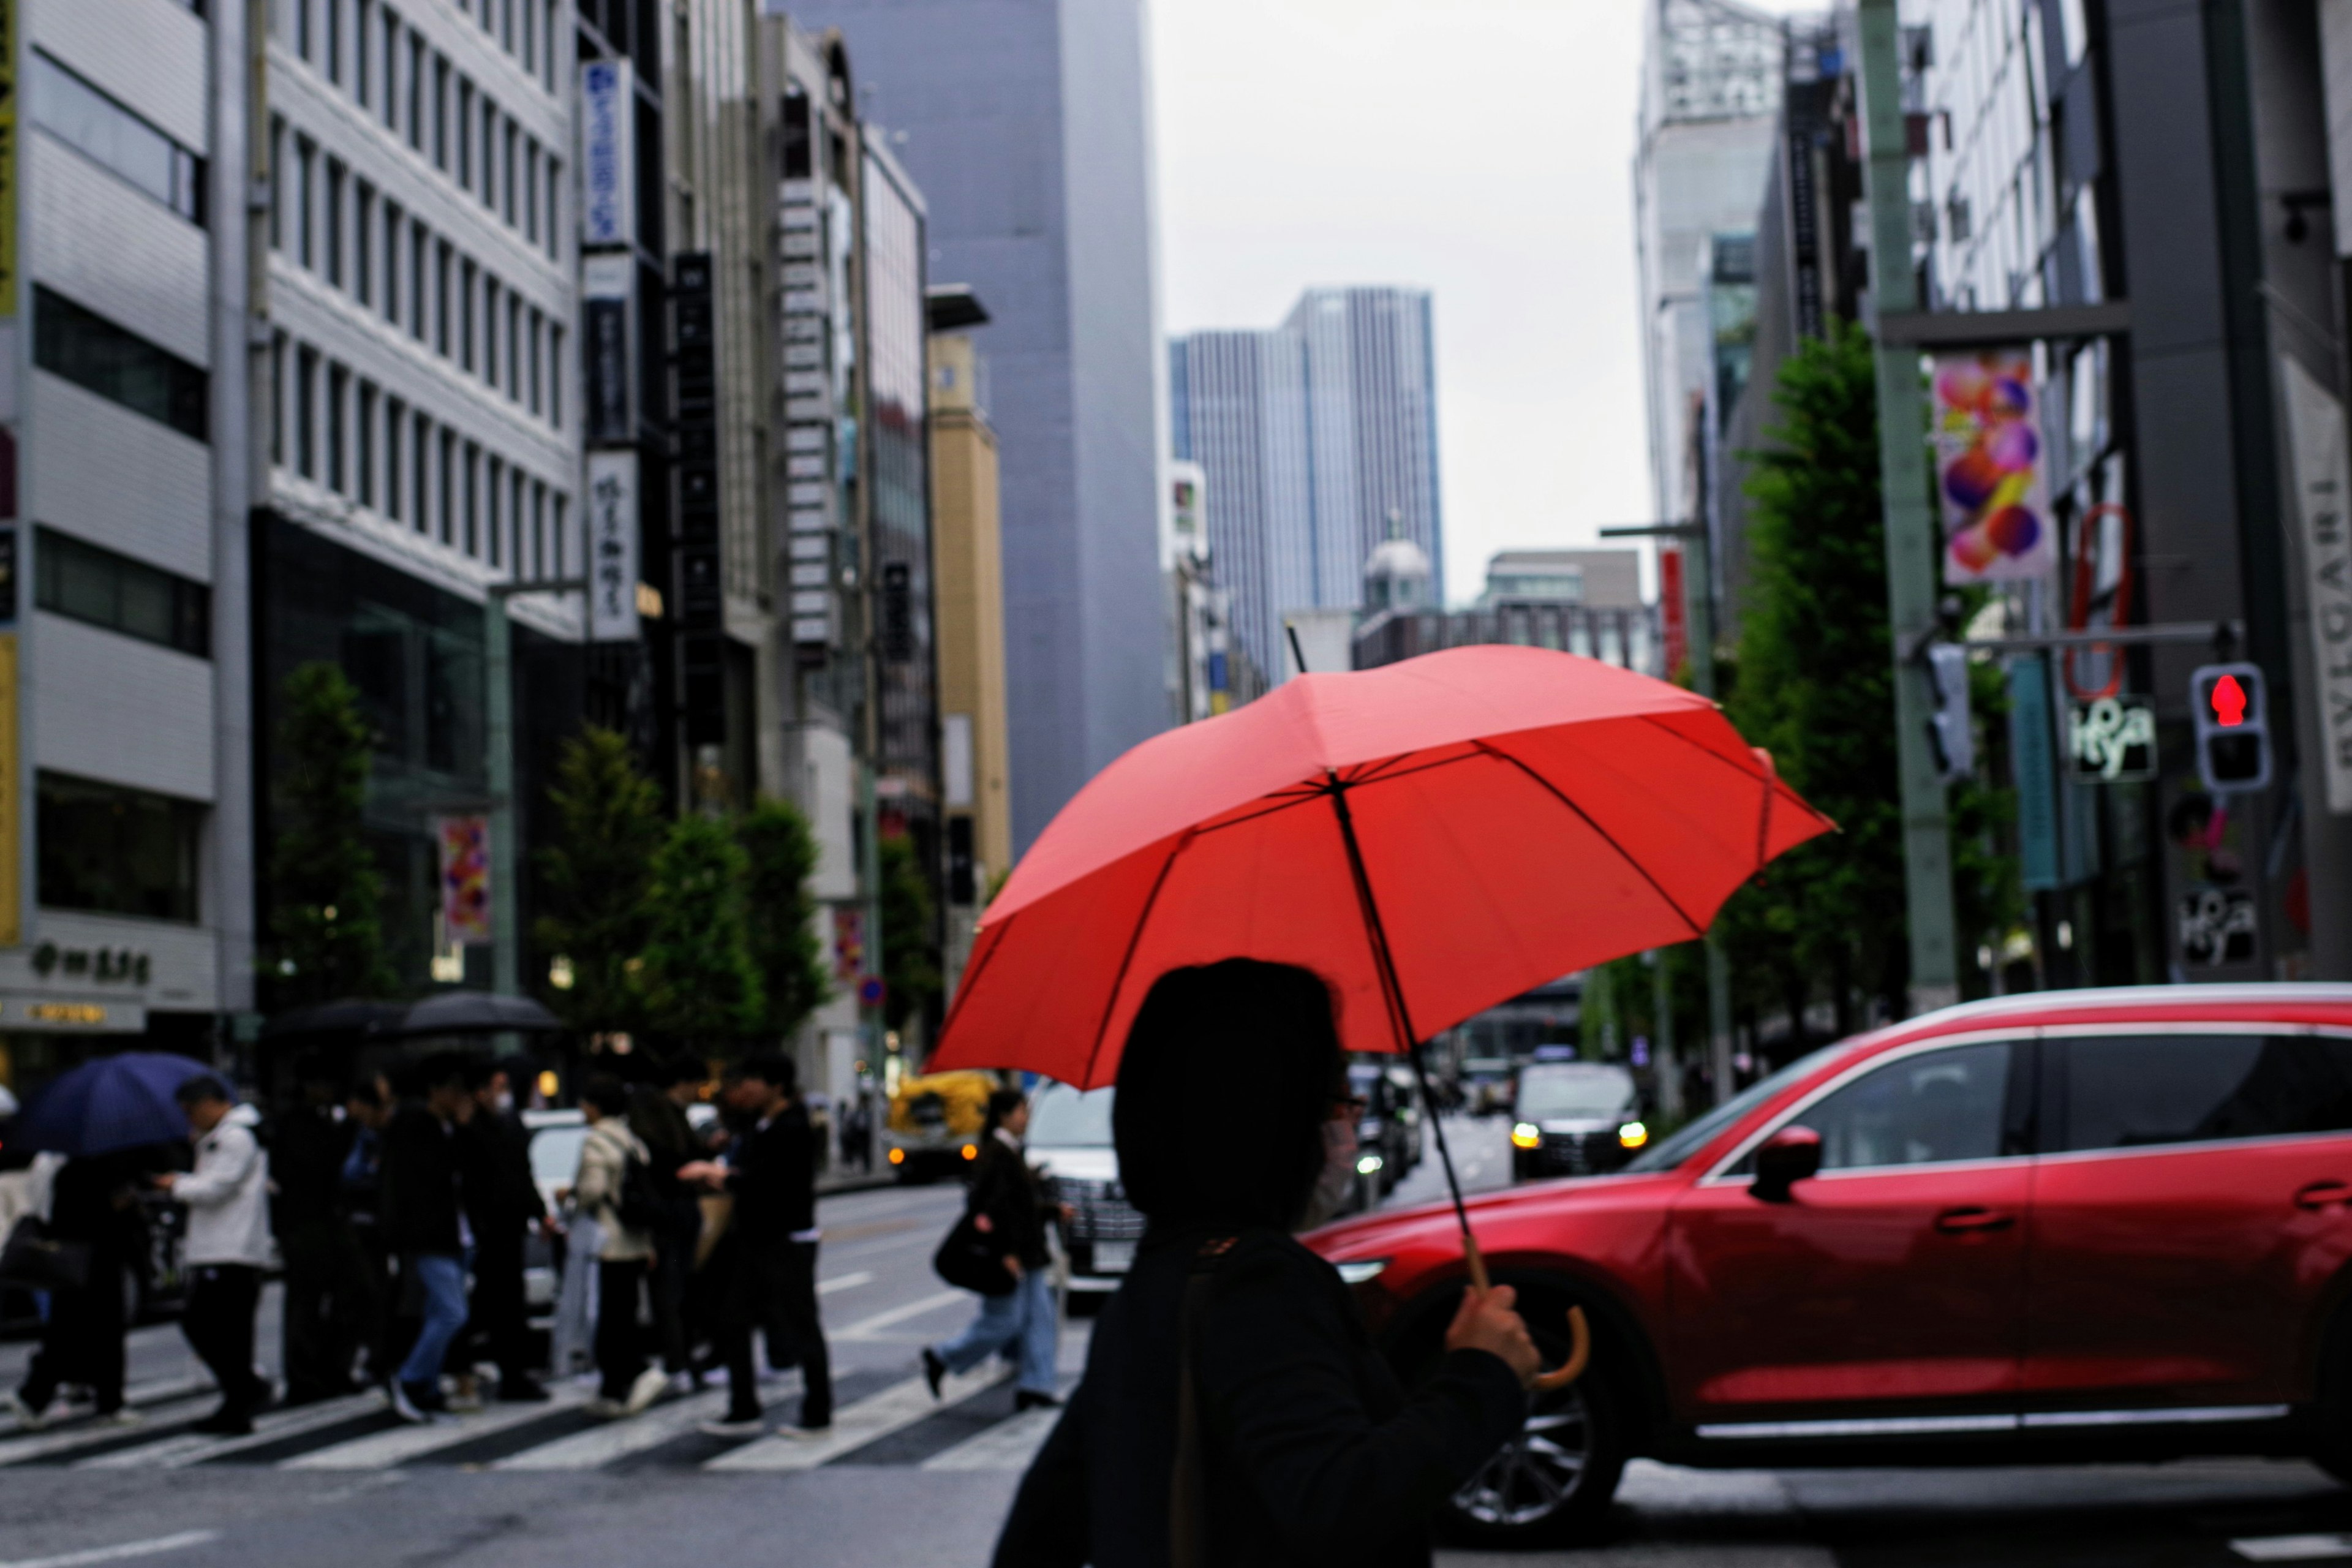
x: 1483, y: 149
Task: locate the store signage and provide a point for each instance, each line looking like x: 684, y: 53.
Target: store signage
x: 1988, y: 471
x: 608, y: 149
x: 607, y: 289
x: 612, y: 547
x: 9, y: 140
x: 72, y: 1016
x: 2217, y: 927
x: 2112, y: 740
x: 110, y: 963
x: 465, y: 844
x: 2323, y: 489
x: 1673, y: 611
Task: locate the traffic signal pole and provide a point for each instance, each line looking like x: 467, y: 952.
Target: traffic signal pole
x: 1911, y: 542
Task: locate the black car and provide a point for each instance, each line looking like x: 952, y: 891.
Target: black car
x: 1574, y: 1119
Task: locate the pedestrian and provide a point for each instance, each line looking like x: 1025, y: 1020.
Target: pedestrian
x: 227, y: 1246
x: 766, y: 1261
x: 358, y: 1192
x: 1235, y: 1410
x: 93, y: 1204
x: 425, y: 1227
x: 1009, y: 1205
x: 326, y: 1284
x: 657, y: 1116
x: 503, y: 1206
x: 603, y: 1188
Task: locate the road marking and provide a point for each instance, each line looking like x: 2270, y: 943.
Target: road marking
x: 865, y: 1328
x: 187, y: 1448
x: 1008, y: 1445
x: 854, y: 1425
x: 2277, y: 1547
x: 618, y: 1439
x: 845, y: 1283
x: 128, y: 1549
x: 81, y: 1434
x: 383, y: 1451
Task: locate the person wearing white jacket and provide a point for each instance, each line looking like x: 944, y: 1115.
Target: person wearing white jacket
x: 228, y: 1245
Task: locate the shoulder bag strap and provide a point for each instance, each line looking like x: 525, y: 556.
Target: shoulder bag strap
x: 1188, y: 1516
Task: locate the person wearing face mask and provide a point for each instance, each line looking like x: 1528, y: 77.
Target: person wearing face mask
x: 1337, y: 1184
x: 502, y: 1205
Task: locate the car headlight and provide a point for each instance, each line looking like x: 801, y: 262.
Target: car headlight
x: 1526, y: 1135
x: 1632, y: 1135
x: 1361, y: 1270
x: 1369, y: 1164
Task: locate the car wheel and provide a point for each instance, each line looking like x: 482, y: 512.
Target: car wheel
x: 1551, y: 1485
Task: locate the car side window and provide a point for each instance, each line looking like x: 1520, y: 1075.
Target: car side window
x: 2126, y: 1091
x: 1923, y: 1110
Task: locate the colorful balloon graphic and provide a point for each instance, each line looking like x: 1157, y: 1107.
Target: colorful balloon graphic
x: 1988, y: 452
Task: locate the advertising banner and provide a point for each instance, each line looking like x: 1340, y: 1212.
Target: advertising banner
x: 2323, y: 487
x: 465, y: 878
x: 608, y: 153
x: 607, y: 290
x: 1988, y: 469
x: 1673, y: 611
x: 611, y: 515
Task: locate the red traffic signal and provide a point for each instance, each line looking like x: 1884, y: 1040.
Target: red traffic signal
x: 2232, y: 713
x: 2229, y: 702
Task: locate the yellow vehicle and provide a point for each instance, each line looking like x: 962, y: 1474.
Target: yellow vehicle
x: 935, y: 1122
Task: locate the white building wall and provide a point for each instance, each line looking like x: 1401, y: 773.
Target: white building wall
x: 113, y: 708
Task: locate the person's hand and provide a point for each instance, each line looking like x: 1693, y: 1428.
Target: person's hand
x: 1069, y: 1213
x: 564, y: 1194
x: 1489, y: 1321
x: 1012, y: 1265
x: 983, y: 1224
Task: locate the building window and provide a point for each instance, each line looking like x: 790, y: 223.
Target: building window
x: 277, y: 184
x: 558, y: 504
x: 521, y: 489
x: 387, y: 104
x: 302, y: 27
x: 547, y: 54
x: 363, y: 446
x: 334, y: 41
x: 489, y: 191
x: 100, y: 588
x: 278, y: 398
x: 448, y: 487
x: 419, y: 282
x: 529, y: 37
x: 306, y: 172
x: 421, y: 450
x: 538, y: 529
x: 537, y: 357
x: 338, y: 392
x: 441, y: 113
x: 106, y: 132
x: 464, y: 134
x: 507, y: 171
x: 117, y: 851
x: 554, y: 204
x: 361, y: 25
x: 333, y: 216
x: 490, y: 499
x: 465, y: 275
x: 389, y: 299
x: 364, y: 244
x: 306, y: 413
x: 444, y: 265
x: 396, y: 413
x: 472, y: 499
x: 95, y: 355
x: 555, y: 377
x: 490, y: 330
x: 417, y: 92
x: 514, y: 349
x: 531, y: 190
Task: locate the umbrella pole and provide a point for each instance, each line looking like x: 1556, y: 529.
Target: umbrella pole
x: 1403, y: 1021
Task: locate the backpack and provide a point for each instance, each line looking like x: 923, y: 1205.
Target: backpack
x: 638, y: 1207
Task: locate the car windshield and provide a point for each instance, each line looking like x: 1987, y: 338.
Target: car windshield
x: 1668, y: 1152
x: 555, y: 1153
x: 1062, y: 1117
x: 1574, y: 1091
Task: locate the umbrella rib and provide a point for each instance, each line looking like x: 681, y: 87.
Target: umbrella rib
x: 1770, y: 778
x: 1606, y: 837
x: 1119, y: 982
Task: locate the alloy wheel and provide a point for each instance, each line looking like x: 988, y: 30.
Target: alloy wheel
x: 1537, y: 1473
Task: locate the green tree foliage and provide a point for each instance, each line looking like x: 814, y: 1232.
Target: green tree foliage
x: 698, y: 980
x: 325, y: 893
x: 780, y: 855
x: 911, y: 950
x: 598, y: 877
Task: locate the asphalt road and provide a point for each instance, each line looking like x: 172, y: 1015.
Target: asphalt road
x: 908, y: 1482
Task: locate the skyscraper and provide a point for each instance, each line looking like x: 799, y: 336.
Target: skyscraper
x: 1027, y: 124
x: 1319, y: 440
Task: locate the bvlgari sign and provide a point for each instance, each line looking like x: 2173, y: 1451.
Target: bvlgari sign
x: 2324, y: 498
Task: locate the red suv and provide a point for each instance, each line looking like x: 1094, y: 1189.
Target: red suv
x: 2087, y: 1224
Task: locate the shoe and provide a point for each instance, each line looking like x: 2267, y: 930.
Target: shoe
x: 746, y: 1427
x: 464, y: 1402
x: 1030, y: 1399
x: 123, y: 1417
x: 935, y: 1371
x: 805, y: 1434
x: 522, y: 1389
x: 224, y: 1423
x: 602, y: 1409
x: 414, y: 1403
x: 650, y: 1385
x: 28, y: 1418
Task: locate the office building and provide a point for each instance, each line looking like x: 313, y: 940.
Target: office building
x: 1603, y: 579
x: 1028, y: 127
x: 1574, y: 601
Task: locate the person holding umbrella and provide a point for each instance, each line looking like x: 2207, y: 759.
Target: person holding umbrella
x: 94, y: 1207
x: 228, y: 1195
x: 1233, y: 1360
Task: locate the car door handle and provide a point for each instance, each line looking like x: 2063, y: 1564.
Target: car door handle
x: 1961, y: 1222
x: 2323, y: 1194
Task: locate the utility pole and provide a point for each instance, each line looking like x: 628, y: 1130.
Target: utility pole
x: 1911, y: 541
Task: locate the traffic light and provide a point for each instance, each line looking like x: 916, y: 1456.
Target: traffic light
x: 1950, y: 734
x: 2233, y: 738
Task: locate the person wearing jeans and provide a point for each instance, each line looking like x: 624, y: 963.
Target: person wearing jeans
x: 228, y: 1245
x: 1008, y: 1204
x: 422, y: 1226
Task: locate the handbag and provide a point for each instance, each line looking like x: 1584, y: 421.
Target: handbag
x: 968, y: 1259
x: 35, y: 1257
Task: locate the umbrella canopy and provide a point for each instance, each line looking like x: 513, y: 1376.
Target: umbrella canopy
x: 350, y: 1017
x: 476, y: 1013
x: 114, y: 1102
x: 1433, y: 837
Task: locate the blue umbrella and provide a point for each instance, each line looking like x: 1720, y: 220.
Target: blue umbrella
x: 115, y: 1103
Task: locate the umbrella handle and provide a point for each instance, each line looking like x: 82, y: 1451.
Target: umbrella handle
x: 1579, y: 1332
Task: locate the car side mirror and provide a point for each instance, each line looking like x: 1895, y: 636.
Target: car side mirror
x: 1789, y: 1156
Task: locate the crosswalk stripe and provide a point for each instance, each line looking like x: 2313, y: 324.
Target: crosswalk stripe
x: 854, y: 1425
x: 865, y: 1328
x: 1007, y: 1445
x: 82, y: 1434
x: 614, y: 1440
x: 844, y: 1281
x: 383, y: 1451
x: 187, y: 1448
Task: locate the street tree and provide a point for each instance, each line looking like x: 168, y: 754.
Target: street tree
x: 597, y: 876
x: 697, y: 979
x: 326, y: 894
x: 910, y: 945
x: 780, y: 855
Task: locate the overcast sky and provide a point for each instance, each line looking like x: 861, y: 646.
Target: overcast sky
x: 1480, y: 148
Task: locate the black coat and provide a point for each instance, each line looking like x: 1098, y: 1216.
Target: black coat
x: 306, y: 1168
x: 500, y: 1194
x: 1312, y: 1453
x: 1013, y: 1196
x: 418, y: 1206
x: 771, y: 1171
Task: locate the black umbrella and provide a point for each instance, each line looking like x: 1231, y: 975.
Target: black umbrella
x: 350, y: 1017
x: 476, y: 1013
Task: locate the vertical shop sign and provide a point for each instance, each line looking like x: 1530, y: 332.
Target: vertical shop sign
x: 612, y: 547
x: 8, y: 160
x: 2322, y: 481
x: 1673, y: 611
x: 2034, y: 767
x: 608, y: 293
x: 465, y: 878
x: 1988, y: 469
x: 608, y: 153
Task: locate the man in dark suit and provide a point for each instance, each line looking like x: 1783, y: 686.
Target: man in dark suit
x: 326, y: 1275
x: 769, y: 1253
x: 420, y: 1225
x: 657, y: 1116
x: 502, y: 1205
